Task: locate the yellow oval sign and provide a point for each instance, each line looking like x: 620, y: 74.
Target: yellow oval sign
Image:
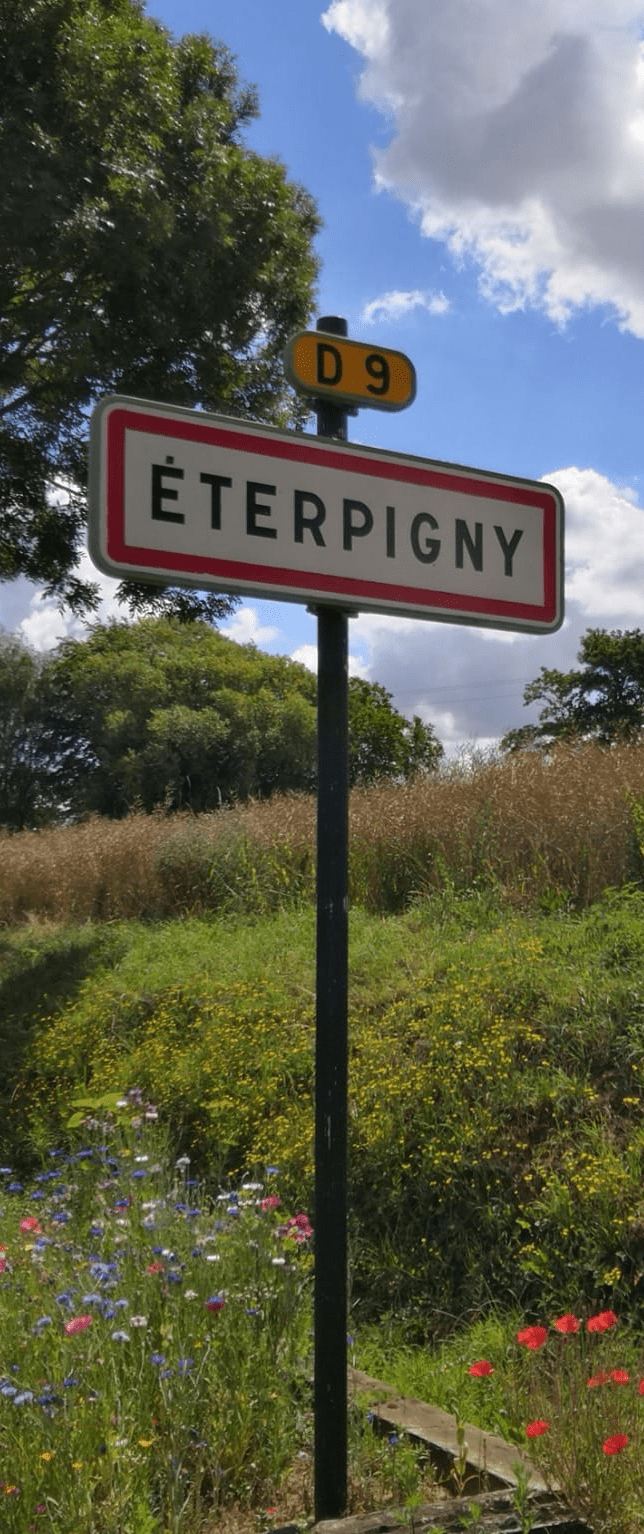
x: 330, y: 366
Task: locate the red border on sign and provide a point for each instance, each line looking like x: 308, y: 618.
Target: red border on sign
x: 307, y: 450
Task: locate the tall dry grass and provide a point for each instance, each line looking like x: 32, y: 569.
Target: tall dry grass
x: 549, y: 832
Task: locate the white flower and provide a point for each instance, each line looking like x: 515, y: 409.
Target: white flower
x: 138, y: 1320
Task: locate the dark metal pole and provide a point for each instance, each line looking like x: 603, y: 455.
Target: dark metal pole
x: 331, y: 1047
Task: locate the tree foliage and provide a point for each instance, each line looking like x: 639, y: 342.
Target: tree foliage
x: 145, y: 250
x: 160, y: 713
x: 382, y: 742
x: 604, y: 701
x: 25, y: 782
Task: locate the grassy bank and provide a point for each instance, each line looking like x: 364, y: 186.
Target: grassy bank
x: 496, y: 1081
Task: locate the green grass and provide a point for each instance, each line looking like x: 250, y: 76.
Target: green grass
x: 496, y: 1082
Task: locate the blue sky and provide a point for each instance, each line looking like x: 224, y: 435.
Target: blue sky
x: 479, y: 167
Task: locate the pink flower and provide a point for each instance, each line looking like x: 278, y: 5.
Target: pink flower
x: 272, y: 1202
x: 602, y: 1322
x: 566, y: 1324
x: 29, y: 1223
x: 532, y: 1337
x: 481, y: 1368
x: 77, y: 1324
x: 298, y: 1227
x: 615, y: 1444
x: 535, y: 1429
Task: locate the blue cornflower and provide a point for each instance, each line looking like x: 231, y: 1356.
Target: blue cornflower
x: 23, y: 1397
x: 14, y: 1187
x: 157, y: 1358
x: 6, y: 1389
x: 108, y: 1311
x: 102, y: 1271
x: 92, y: 1299
x: 37, y: 1193
x: 69, y: 1381
x: 140, y: 1172
x: 43, y: 1321
x: 173, y: 1278
x: 120, y: 1336
x: 121, y: 1304
x: 184, y: 1365
x: 61, y: 1217
x: 65, y: 1299
x: 5, y: 1171
x: 96, y: 1230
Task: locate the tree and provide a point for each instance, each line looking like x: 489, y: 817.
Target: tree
x: 25, y: 790
x: 603, y: 702
x: 160, y: 713
x: 382, y: 742
x: 145, y: 250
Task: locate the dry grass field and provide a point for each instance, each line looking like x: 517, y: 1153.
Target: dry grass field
x: 547, y: 832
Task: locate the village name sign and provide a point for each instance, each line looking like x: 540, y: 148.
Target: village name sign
x: 179, y: 496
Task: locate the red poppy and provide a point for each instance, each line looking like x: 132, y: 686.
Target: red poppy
x: 155, y: 1267
x: 481, y: 1368
x: 535, y: 1429
x: 640, y: 1388
x: 566, y: 1324
x: 77, y: 1324
x: 29, y: 1223
x: 532, y: 1337
x: 598, y: 1379
x: 615, y: 1444
x: 602, y: 1322
x: 619, y: 1376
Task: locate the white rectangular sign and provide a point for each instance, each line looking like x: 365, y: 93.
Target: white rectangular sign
x: 182, y: 497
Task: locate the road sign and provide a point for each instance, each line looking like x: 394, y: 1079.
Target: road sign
x: 186, y: 498
x: 328, y: 366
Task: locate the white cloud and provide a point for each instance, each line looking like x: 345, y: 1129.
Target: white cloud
x: 393, y: 306
x: 24, y: 609
x: 307, y: 655
x: 517, y: 138
x: 245, y: 628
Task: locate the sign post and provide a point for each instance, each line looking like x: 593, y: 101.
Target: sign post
x: 331, y: 1037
